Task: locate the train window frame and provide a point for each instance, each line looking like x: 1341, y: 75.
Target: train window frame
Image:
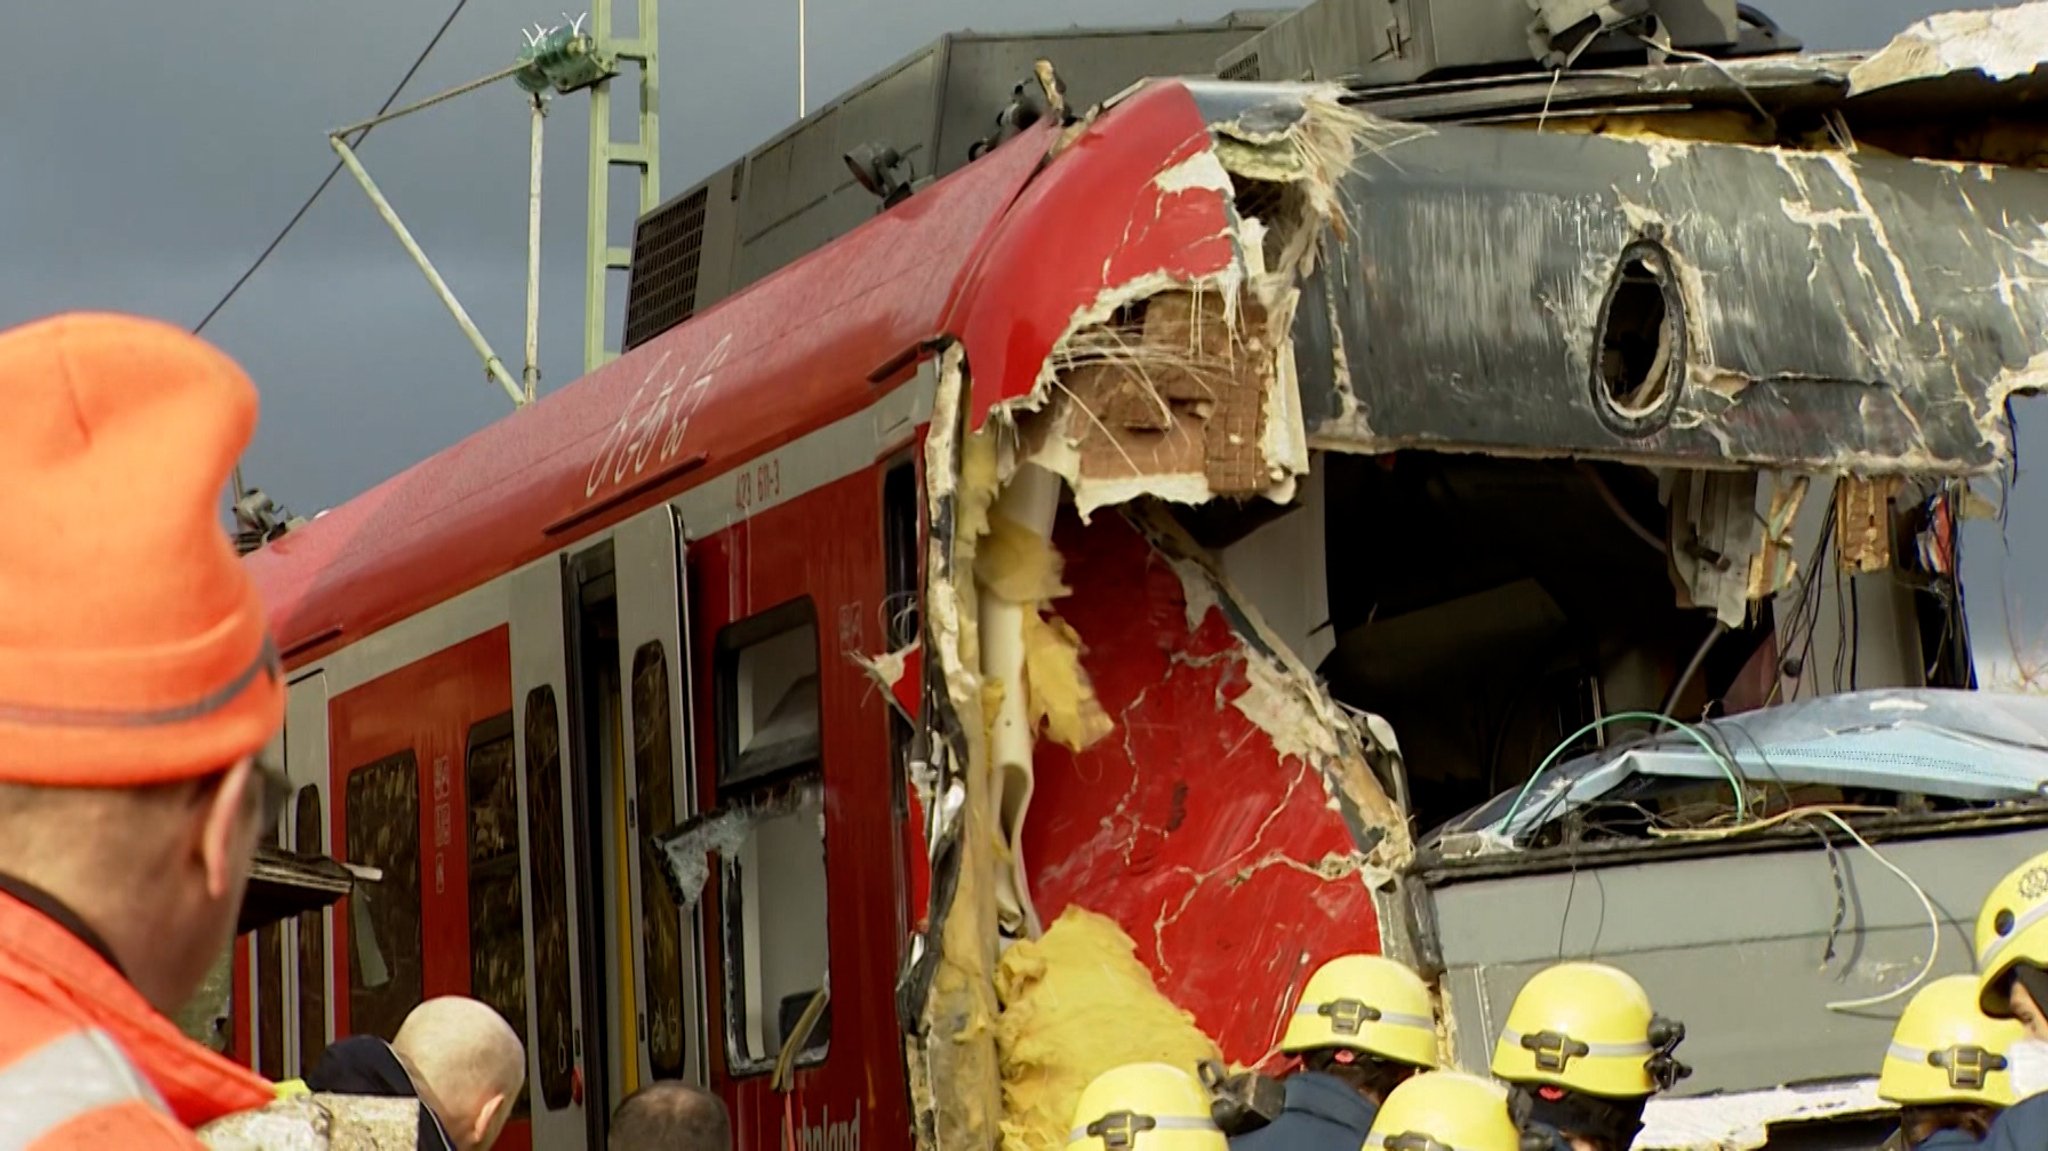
x: 365, y: 897
x: 753, y: 636
x: 309, y: 834
x: 792, y: 788
x: 554, y: 1063
x: 497, y: 730
x: 653, y: 732
x: 267, y: 1049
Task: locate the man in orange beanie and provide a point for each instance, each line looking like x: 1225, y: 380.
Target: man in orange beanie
x: 137, y: 685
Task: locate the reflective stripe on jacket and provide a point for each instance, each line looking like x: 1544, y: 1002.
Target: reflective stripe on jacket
x: 86, y: 1062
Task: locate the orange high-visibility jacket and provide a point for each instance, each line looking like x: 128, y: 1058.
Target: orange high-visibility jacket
x: 86, y: 1062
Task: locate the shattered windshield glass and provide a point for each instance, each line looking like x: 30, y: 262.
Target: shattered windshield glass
x: 1921, y: 748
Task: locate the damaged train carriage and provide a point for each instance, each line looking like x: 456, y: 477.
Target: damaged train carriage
x: 1336, y: 455
x: 1226, y: 486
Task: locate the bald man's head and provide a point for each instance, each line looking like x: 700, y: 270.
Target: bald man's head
x: 670, y: 1116
x: 469, y: 1063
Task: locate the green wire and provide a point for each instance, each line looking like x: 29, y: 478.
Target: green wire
x: 1727, y: 768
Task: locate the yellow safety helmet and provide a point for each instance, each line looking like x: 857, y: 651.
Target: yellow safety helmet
x: 1444, y: 1111
x: 1367, y: 1003
x: 2012, y: 928
x: 1144, y: 1107
x: 1588, y: 1027
x: 1946, y: 1050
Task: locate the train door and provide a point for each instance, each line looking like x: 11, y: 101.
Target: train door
x: 308, y: 966
x: 637, y: 951
x: 654, y: 791
x: 556, y: 1001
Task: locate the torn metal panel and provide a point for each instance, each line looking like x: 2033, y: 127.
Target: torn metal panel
x: 1173, y: 403
x: 946, y: 992
x: 1716, y: 540
x: 1750, y: 977
x: 1657, y: 301
x: 1774, y: 564
x: 1745, y: 1120
x: 687, y: 852
x: 1863, y: 522
x: 1145, y: 210
x: 1225, y: 795
x: 1981, y: 47
x: 1965, y: 746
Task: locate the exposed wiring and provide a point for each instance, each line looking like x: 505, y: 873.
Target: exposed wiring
x: 1833, y: 814
x: 1692, y: 668
x: 1727, y: 766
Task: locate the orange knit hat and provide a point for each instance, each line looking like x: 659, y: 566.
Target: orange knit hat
x: 133, y: 648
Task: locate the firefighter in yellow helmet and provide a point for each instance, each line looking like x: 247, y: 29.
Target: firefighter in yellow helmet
x: 2012, y: 948
x: 1144, y: 1107
x: 1582, y: 1053
x: 1946, y: 1067
x: 2012, y: 983
x: 1363, y: 1026
x: 1444, y: 1111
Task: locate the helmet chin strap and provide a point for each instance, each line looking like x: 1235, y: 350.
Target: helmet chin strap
x: 1553, y: 1113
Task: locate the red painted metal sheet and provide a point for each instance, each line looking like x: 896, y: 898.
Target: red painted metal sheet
x: 427, y: 707
x: 1097, y: 219
x: 1185, y: 825
x: 828, y: 546
x: 789, y: 355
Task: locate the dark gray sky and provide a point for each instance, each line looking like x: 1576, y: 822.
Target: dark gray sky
x: 169, y: 142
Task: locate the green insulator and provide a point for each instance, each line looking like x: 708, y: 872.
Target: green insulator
x: 561, y: 60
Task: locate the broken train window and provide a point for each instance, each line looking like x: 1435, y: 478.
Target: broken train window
x: 382, y: 807
x: 1490, y: 608
x: 770, y: 777
x: 497, y: 928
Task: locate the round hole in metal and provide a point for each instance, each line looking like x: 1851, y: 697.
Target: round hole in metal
x: 1639, y: 363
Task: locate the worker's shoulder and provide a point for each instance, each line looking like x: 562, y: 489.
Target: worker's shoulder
x: 130, y: 1124
x: 64, y: 1085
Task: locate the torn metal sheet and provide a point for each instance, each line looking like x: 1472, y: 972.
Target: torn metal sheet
x: 1716, y: 540
x: 1772, y: 990
x: 687, y: 851
x: 1659, y: 301
x: 1863, y: 522
x: 1992, y: 44
x: 946, y: 990
x: 1970, y: 746
x: 1742, y: 1121
x: 1226, y: 795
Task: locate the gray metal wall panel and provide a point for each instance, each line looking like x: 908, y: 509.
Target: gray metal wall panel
x: 794, y: 193
x: 801, y: 195
x: 1863, y: 313
x: 1731, y: 945
x: 721, y: 235
x: 1397, y: 41
x: 1095, y: 66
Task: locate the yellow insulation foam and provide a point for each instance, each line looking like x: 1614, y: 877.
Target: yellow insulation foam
x: 1062, y: 699
x: 976, y: 492
x: 1075, y: 1003
x: 1017, y: 564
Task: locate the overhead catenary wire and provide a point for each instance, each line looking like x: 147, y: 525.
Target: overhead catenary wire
x: 307, y: 206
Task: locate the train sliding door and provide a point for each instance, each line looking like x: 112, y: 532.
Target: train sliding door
x: 560, y: 1113
x: 656, y: 789
x: 635, y: 969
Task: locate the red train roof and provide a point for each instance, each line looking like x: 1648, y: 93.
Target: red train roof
x: 1000, y: 255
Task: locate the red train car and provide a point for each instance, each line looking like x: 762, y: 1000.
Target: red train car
x: 687, y: 713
